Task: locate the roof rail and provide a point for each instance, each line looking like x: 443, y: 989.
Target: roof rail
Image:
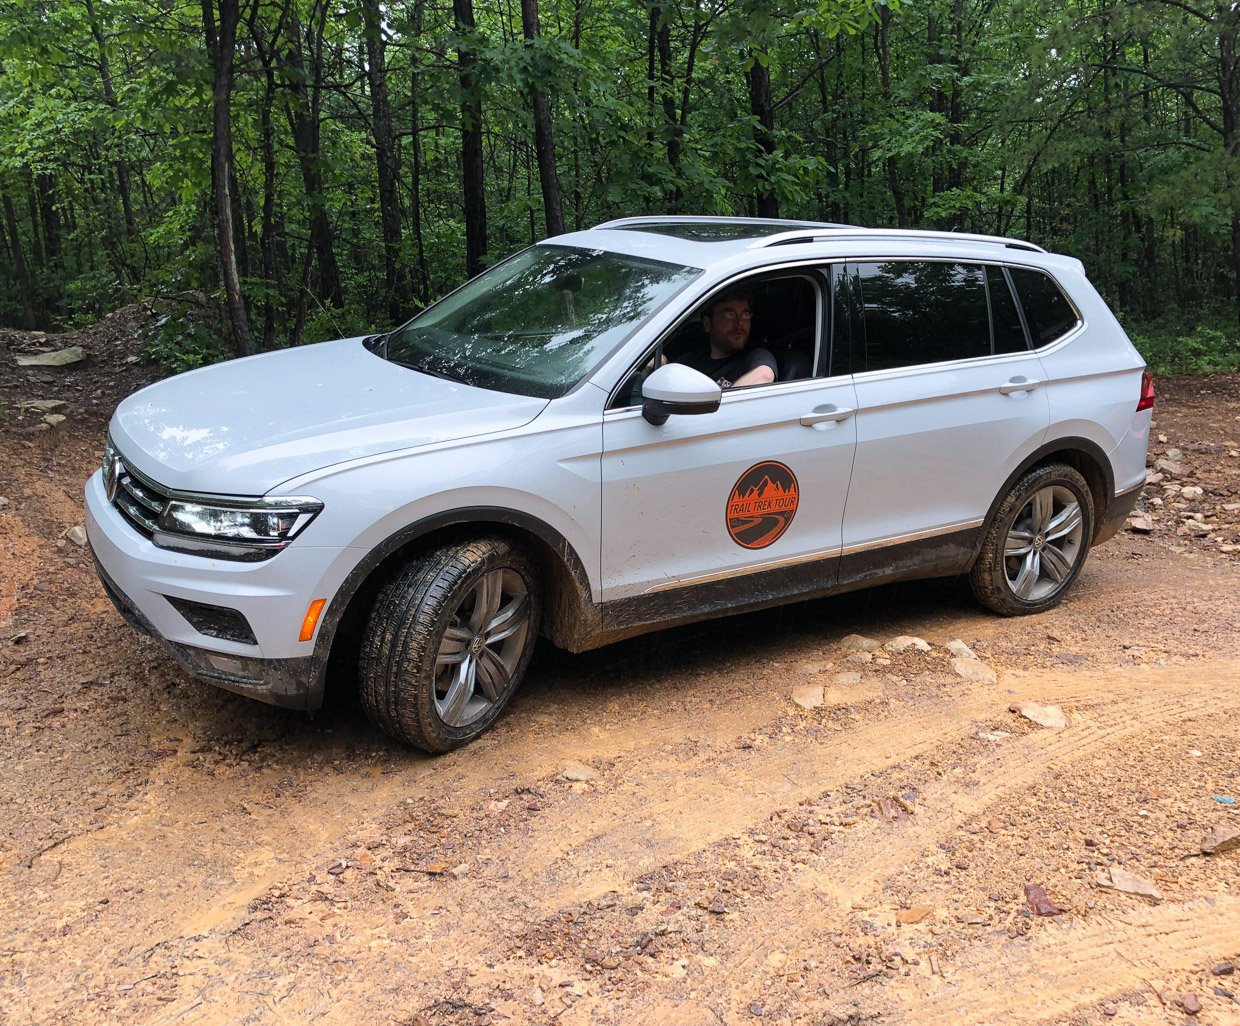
x: 843, y: 234
x: 624, y: 222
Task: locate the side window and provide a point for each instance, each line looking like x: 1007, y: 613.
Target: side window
x: 1047, y: 311
x: 1009, y: 332
x: 919, y: 312
x: 778, y: 314
x: 786, y: 322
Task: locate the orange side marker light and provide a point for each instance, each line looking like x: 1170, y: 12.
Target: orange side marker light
x: 312, y: 619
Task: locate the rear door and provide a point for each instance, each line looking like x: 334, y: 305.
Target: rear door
x: 949, y: 400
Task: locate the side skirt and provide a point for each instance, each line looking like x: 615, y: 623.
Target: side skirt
x: 944, y: 556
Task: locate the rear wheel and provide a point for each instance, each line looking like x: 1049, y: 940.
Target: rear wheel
x: 1036, y: 542
x: 448, y: 642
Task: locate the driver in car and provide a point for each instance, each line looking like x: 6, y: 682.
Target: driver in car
x: 724, y: 355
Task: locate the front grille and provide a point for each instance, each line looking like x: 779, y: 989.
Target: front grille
x: 138, y: 500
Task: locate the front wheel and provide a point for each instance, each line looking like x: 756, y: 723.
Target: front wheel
x: 1036, y: 542
x: 448, y: 642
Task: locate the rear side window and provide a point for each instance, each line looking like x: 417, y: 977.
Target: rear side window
x: 1047, y: 311
x: 923, y: 312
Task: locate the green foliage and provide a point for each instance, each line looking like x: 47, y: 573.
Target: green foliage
x: 1204, y: 350
x: 1093, y: 129
x: 179, y: 341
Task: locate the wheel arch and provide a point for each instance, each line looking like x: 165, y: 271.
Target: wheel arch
x: 569, y: 617
x: 1082, y: 455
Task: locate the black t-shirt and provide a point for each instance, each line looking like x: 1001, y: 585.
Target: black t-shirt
x: 729, y: 369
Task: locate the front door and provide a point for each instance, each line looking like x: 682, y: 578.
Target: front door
x: 710, y: 501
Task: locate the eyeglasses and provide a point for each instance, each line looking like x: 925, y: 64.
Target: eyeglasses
x: 732, y: 316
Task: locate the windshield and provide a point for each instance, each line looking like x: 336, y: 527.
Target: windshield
x: 538, y: 322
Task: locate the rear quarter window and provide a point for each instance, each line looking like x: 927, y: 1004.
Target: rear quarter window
x: 1047, y: 310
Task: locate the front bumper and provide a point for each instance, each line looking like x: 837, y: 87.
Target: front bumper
x: 288, y: 683
x: 152, y: 589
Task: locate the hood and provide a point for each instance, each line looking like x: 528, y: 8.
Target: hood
x: 243, y: 427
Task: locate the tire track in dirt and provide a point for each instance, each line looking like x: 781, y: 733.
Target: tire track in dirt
x: 719, y: 796
x: 943, y: 805
x: 815, y: 897
x: 793, y: 918
x: 707, y: 800
x: 206, y: 889
x: 995, y: 985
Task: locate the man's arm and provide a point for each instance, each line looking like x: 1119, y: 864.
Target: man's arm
x: 762, y: 375
x: 759, y: 368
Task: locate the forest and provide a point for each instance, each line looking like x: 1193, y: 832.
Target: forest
x: 284, y: 171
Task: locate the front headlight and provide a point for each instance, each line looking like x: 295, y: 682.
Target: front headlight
x: 245, y: 530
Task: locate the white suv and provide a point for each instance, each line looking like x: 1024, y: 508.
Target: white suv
x: 540, y: 453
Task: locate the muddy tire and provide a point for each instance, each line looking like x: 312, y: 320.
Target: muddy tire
x: 448, y: 642
x: 1036, y: 543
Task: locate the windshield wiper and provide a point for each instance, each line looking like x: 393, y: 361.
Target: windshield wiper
x: 424, y: 370
x: 378, y: 344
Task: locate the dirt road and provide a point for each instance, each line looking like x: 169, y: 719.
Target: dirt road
x: 655, y: 832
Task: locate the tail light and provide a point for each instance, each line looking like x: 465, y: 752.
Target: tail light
x: 1147, y: 392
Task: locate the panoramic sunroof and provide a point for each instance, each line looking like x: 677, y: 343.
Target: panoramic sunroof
x: 716, y: 231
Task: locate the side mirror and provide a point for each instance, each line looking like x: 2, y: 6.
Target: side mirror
x: 675, y: 388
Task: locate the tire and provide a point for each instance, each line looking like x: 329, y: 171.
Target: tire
x: 1036, y: 543
x: 448, y: 641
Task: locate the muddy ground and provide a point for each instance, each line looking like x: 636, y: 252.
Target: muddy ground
x: 655, y: 832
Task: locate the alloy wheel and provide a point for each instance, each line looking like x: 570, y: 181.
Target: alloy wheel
x: 1044, y: 543
x: 481, y: 647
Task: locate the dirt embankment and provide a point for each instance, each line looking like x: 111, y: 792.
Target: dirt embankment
x: 655, y: 832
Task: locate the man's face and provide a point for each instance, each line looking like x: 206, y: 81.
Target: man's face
x: 727, y: 327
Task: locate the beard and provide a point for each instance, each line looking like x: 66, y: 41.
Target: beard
x: 730, y: 342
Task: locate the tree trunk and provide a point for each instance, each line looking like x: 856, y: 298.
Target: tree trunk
x: 652, y: 116
x: 415, y: 178
x: 221, y: 45
x: 303, y: 116
x: 938, y: 103
x: 265, y: 47
x: 25, y: 290
x: 663, y: 41
x: 109, y: 97
x: 553, y: 210
x: 1229, y: 96
x: 764, y: 130
x: 955, y: 104
x: 472, y: 169
x: 883, y: 51
x: 395, y: 275
x: 45, y: 185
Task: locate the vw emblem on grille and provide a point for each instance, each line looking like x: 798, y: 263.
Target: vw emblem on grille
x: 112, y: 477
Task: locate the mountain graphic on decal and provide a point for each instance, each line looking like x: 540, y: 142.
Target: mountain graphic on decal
x: 765, y: 489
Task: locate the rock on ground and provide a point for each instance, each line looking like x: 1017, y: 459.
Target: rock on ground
x: 1117, y: 879
x: 59, y: 358
x: 1043, y: 715
x: 577, y: 771
x: 859, y: 643
x: 808, y: 696
x: 974, y: 669
x: 907, y: 641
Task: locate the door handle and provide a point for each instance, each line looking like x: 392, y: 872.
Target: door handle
x: 1019, y: 384
x: 822, y: 414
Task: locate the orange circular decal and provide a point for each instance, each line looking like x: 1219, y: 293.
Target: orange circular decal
x: 762, y: 504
